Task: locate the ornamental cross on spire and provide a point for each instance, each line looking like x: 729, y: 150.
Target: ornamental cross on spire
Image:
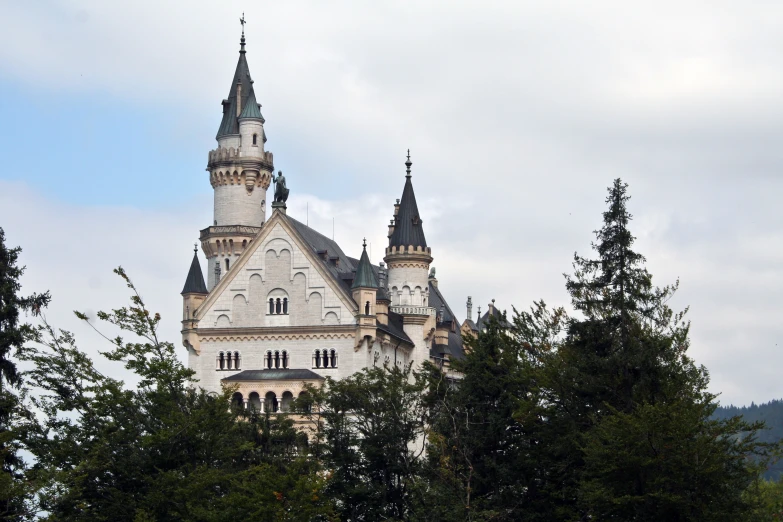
x: 364, y: 243
x: 242, y: 21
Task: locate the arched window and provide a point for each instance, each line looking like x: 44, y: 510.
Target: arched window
x: 286, y: 402
x: 270, y: 402
x: 237, y: 401
x: 255, y: 139
x: 227, y: 264
x: 277, y: 359
x: 236, y: 361
x: 269, y: 359
x: 221, y: 361
x: 317, y: 359
x: 285, y: 359
x: 367, y: 308
x: 271, y: 305
x: 254, y: 401
x: 228, y: 360
x: 333, y: 358
x: 285, y: 305
x: 278, y: 306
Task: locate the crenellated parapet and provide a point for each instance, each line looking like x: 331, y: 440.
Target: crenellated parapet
x: 223, y: 156
x: 235, y: 166
x: 408, y: 257
x: 230, y: 240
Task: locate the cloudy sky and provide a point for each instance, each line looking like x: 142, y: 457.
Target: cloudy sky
x: 518, y: 116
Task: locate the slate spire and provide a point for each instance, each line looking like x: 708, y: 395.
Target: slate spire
x: 365, y: 275
x: 407, y: 227
x: 194, y: 284
x: 240, y: 91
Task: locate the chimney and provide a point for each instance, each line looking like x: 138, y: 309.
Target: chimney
x: 492, y: 307
x: 470, y: 307
x: 432, y: 279
x: 397, y: 207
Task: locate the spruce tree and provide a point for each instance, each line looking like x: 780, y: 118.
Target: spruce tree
x: 632, y: 408
x: 13, y: 337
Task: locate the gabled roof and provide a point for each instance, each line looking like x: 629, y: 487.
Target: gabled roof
x: 455, y: 348
x: 194, y: 284
x: 365, y: 275
x: 230, y: 124
x: 251, y: 108
x: 407, y: 223
x: 277, y: 374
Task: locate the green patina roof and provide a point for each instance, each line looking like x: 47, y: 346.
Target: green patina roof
x: 365, y: 275
x: 251, y: 109
x: 230, y: 122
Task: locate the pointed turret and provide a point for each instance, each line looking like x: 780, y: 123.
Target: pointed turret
x: 194, y: 284
x: 365, y: 292
x: 251, y: 108
x: 365, y: 275
x: 193, y: 294
x: 241, y: 88
x: 408, y: 229
x: 409, y: 258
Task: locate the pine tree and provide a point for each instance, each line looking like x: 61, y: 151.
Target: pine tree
x: 631, y: 406
x: 13, y: 337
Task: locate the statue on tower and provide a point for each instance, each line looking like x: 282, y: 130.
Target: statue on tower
x: 281, y: 192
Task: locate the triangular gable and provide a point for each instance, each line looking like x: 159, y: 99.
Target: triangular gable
x: 277, y: 219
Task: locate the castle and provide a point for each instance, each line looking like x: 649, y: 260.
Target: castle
x: 283, y: 305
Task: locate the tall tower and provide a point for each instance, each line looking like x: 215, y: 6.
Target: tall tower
x: 409, y: 258
x: 240, y: 171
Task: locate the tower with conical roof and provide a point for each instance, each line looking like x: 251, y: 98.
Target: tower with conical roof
x: 364, y: 291
x: 240, y: 171
x: 408, y: 258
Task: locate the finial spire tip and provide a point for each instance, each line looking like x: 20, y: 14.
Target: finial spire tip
x: 408, y: 164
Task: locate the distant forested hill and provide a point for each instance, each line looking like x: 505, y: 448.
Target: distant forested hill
x: 772, y: 414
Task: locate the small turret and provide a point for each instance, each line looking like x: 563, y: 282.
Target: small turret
x: 364, y: 290
x: 193, y: 294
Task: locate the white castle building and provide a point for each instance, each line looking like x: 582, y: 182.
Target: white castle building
x: 283, y: 304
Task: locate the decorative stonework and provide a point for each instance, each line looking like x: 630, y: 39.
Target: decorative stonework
x: 208, y: 335
x: 409, y: 264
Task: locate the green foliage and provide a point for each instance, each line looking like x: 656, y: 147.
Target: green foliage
x: 13, y: 336
x: 771, y: 414
x: 369, y: 431
x: 163, y: 451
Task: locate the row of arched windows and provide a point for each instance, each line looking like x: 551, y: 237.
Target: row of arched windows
x: 276, y: 359
x: 325, y: 359
x: 270, y: 403
x: 228, y: 361
x: 278, y: 306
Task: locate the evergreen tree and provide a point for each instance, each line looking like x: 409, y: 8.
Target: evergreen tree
x: 481, y: 460
x: 13, y: 337
x: 636, y: 440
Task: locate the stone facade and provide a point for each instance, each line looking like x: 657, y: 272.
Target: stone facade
x: 283, y: 301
